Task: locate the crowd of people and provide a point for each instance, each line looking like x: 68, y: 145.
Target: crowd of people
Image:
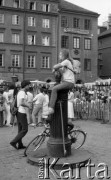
x: 83, y: 102
x: 92, y: 102
x: 38, y: 102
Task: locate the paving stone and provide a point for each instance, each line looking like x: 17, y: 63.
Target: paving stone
x: 13, y: 166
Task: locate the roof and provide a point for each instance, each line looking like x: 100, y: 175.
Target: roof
x: 65, y: 5
x: 105, y: 33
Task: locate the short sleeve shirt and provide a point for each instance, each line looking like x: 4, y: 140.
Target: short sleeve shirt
x: 39, y: 99
x: 68, y: 75
x: 21, y: 95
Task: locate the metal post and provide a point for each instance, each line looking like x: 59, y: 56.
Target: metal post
x: 56, y: 144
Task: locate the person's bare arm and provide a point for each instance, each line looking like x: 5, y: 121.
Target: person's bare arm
x: 57, y: 66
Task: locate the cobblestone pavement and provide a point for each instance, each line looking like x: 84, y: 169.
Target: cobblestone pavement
x: 14, y: 166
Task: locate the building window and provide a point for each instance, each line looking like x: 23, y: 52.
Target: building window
x: 1, y: 18
x: 100, y: 56
x: 64, y: 42
x: 76, y: 23
x: 64, y: 21
x: 46, y: 41
x: 87, y: 24
x: 76, y: 42
x: 1, y: 2
x: 46, y: 7
x: 45, y: 62
x: 87, y: 64
x: 1, y: 60
x: 16, y: 3
x: 1, y: 37
x: 15, y: 20
x: 32, y: 5
x: 31, y: 21
x: 87, y: 44
x: 100, y: 43
x: 15, y: 60
x: 45, y: 23
x: 31, y: 39
x: 31, y: 61
x: 16, y: 38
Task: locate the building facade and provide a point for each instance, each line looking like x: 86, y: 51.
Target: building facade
x: 28, y: 31
x: 32, y: 32
x: 79, y: 34
x: 104, y: 54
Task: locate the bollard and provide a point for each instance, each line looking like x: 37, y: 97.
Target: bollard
x: 55, y: 145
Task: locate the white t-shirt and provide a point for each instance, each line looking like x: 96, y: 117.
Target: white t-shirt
x: 10, y: 95
x: 39, y: 99
x: 29, y: 97
x: 68, y: 75
x: 5, y: 96
x: 21, y: 95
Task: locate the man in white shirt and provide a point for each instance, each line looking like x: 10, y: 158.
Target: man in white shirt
x: 22, y: 104
x: 38, y: 101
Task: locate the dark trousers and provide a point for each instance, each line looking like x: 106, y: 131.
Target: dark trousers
x: 22, y: 128
x: 1, y: 118
x: 62, y: 86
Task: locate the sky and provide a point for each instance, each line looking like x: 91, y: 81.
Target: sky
x: 102, y: 7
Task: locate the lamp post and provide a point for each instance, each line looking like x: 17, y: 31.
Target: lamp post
x: 14, y: 77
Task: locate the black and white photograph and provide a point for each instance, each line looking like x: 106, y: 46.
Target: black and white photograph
x: 55, y: 89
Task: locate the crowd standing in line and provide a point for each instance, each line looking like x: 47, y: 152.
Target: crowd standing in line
x: 84, y: 103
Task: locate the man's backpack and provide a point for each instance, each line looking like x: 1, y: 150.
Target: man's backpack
x: 13, y: 106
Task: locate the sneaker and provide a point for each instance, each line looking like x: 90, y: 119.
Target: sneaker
x: 21, y: 147
x: 13, y: 145
x: 50, y: 111
x: 33, y: 124
x: 8, y: 125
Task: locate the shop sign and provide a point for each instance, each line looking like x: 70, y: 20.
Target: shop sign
x: 76, y: 31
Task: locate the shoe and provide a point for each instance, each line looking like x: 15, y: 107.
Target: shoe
x: 8, y: 125
x: 50, y: 111
x: 13, y: 145
x: 48, y: 120
x: 33, y: 124
x: 21, y: 147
